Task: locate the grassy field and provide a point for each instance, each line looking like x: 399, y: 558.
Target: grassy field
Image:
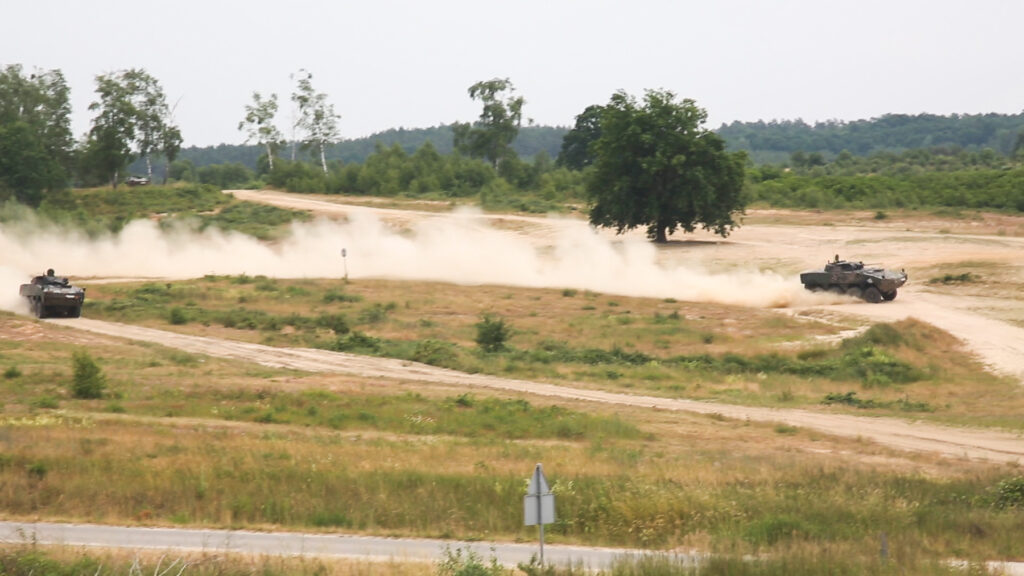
x: 98, y: 211
x: 180, y: 439
x: 660, y: 347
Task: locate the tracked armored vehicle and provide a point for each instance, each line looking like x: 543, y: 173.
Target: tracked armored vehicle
x: 50, y: 295
x: 854, y: 279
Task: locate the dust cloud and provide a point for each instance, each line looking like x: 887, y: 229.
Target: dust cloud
x: 458, y: 248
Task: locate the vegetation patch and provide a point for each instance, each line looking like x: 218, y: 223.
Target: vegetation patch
x: 662, y: 349
x: 964, y: 278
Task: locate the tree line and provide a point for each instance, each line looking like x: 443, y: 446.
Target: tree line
x: 530, y: 141
x: 636, y: 162
x: 1003, y: 133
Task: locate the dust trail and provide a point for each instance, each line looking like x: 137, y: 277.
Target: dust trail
x: 457, y: 248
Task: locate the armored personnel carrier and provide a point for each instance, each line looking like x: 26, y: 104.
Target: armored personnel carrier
x: 51, y: 295
x: 854, y: 279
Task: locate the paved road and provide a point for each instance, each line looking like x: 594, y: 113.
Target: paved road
x: 366, y: 548
x: 292, y: 543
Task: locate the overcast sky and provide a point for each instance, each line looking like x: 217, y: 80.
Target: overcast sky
x: 403, y: 63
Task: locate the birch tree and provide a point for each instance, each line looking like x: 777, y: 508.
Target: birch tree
x: 317, y: 119
x: 258, y: 124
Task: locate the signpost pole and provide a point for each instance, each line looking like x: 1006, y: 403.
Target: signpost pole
x: 344, y: 254
x: 540, y: 517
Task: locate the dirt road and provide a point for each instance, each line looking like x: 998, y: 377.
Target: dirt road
x: 952, y: 442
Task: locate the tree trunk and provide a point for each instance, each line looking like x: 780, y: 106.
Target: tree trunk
x: 323, y: 158
x: 270, y: 157
x: 149, y: 168
x: 659, y: 236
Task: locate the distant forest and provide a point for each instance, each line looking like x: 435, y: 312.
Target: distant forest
x: 531, y: 141
x: 775, y: 141
x: 767, y: 142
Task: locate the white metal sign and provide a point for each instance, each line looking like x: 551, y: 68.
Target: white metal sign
x: 539, y: 505
x: 539, y: 502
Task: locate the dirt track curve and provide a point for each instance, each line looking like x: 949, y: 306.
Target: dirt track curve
x: 952, y: 442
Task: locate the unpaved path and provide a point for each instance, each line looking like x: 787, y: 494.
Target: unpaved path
x: 952, y: 442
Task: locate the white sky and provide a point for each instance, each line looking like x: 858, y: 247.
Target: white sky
x: 407, y: 63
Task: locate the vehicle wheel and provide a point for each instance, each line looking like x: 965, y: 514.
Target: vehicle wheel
x: 40, y: 310
x: 837, y: 290
x: 854, y: 292
x: 889, y: 296
x: 872, y: 295
x: 75, y: 312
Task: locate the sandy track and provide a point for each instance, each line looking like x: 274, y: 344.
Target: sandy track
x: 952, y: 442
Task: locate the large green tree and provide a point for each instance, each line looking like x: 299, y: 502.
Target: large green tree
x: 132, y: 120
x: 491, y: 136
x: 576, y: 153
x: 35, y: 133
x: 655, y: 165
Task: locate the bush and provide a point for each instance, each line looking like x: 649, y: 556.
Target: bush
x: 178, y: 316
x: 357, y: 342
x: 88, y: 381
x: 436, y: 353
x: 491, y: 333
x: 1010, y: 493
x: 12, y: 372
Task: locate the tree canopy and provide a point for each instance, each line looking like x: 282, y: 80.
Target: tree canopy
x: 656, y: 166
x: 259, y: 126
x: 491, y: 136
x: 35, y: 134
x: 132, y: 120
x: 317, y: 119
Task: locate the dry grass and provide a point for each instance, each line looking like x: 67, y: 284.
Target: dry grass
x: 31, y: 559
x: 160, y: 449
x: 951, y: 221
x: 954, y: 386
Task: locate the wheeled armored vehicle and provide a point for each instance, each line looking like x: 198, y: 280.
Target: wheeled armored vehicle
x: 50, y: 295
x: 854, y: 279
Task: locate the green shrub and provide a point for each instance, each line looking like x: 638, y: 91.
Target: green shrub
x: 376, y: 313
x: 88, y: 381
x: 12, y: 372
x: 341, y: 296
x: 491, y: 333
x: 436, y: 353
x: 357, y: 342
x: 46, y: 402
x: 848, y: 399
x: 953, y: 278
x: 1010, y: 493
x: 337, y: 323
x: 177, y: 316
